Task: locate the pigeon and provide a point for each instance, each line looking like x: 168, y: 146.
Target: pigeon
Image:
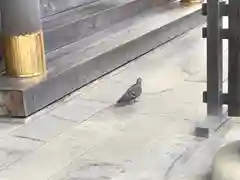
x: 132, y: 93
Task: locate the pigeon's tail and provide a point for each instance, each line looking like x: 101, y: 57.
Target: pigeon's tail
x: 124, y: 99
x: 120, y: 101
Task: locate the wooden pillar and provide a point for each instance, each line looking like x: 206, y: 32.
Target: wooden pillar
x: 234, y: 59
x: 214, y: 58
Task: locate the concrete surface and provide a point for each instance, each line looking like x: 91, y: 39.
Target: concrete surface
x: 85, y: 137
x: 226, y: 163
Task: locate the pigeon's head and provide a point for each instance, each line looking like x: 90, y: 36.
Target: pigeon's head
x: 139, y: 80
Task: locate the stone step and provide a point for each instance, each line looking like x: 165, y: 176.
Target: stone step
x: 75, y: 65
x: 51, y: 7
x: 69, y: 26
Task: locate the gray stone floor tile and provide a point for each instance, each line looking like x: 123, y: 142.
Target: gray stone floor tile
x: 13, y: 149
x: 139, y: 147
x: 107, y: 91
x: 78, y: 109
x: 233, y: 133
x: 90, y: 169
x: 6, y: 128
x: 199, y: 165
x: 55, y: 155
x: 160, y: 80
x: 136, y: 136
x: 201, y: 73
x: 43, y: 129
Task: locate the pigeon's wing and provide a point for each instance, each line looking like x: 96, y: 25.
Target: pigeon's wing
x: 132, y: 93
x: 135, y: 90
x: 127, y: 96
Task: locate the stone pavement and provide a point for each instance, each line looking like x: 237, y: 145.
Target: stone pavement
x: 85, y: 137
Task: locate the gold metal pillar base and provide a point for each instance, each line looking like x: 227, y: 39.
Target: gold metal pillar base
x: 191, y: 2
x: 24, y: 55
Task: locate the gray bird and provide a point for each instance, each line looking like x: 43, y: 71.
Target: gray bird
x: 132, y: 93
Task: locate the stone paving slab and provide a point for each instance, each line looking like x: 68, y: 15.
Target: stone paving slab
x: 78, y: 109
x: 6, y: 128
x: 201, y: 76
x: 101, y: 91
x: 43, y: 129
x: 198, y: 166
x: 54, y: 155
x: 13, y: 149
x: 136, y: 146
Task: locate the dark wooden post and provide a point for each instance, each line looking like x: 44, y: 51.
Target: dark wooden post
x: 213, y: 31
x: 234, y: 59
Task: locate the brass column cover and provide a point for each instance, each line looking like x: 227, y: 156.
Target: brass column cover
x: 22, y: 38
x: 189, y: 2
x: 24, y: 55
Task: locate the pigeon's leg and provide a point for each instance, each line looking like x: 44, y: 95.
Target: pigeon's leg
x: 130, y: 102
x: 135, y: 101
